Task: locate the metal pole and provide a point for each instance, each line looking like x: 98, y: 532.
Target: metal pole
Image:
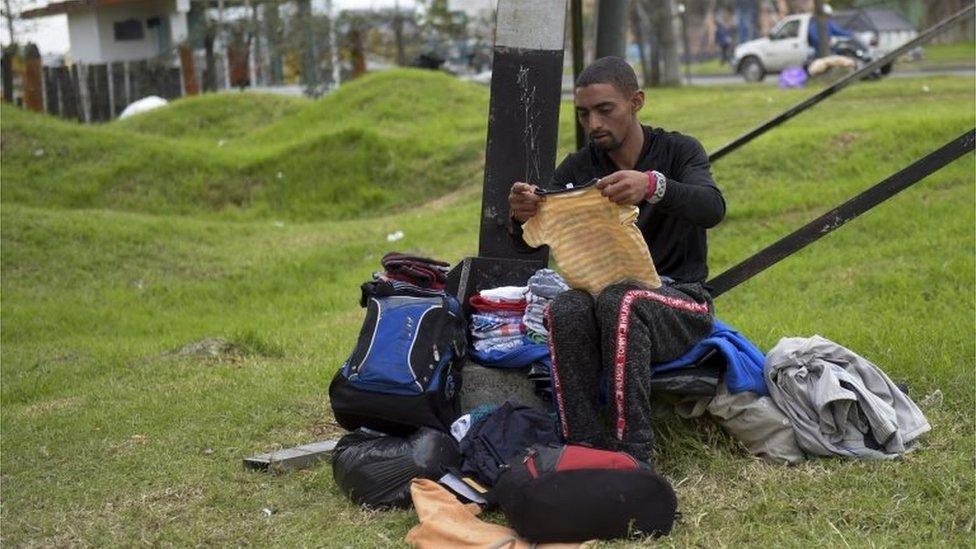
x: 576, y: 15
x: 837, y: 217
x: 840, y: 84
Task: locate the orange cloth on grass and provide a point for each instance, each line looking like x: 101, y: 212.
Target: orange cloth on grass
x: 595, y: 242
x: 446, y: 523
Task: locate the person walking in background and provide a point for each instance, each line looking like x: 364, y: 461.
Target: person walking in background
x: 723, y: 37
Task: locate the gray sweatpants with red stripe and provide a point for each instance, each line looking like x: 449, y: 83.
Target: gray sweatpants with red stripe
x: 617, y: 336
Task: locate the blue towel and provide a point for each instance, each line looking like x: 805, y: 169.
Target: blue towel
x: 745, y: 361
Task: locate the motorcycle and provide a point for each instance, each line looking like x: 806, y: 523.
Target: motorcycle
x: 853, y: 48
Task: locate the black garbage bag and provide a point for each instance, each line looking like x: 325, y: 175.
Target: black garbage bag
x: 375, y: 469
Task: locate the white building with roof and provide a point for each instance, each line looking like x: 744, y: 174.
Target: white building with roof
x: 105, y: 31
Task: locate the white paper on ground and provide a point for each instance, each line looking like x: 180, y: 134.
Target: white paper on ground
x: 459, y: 487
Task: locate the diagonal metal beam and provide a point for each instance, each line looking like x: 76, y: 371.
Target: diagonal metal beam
x: 837, y: 217
x: 841, y: 84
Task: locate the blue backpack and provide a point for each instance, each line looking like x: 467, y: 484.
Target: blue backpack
x: 405, y: 371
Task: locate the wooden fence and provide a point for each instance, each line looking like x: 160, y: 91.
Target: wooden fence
x: 99, y: 93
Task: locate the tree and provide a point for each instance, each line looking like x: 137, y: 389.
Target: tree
x: 210, y: 71
x: 611, y: 29
x: 272, y: 40
x: 665, y: 65
x: 440, y: 23
x: 937, y: 11
x: 16, y: 26
x: 638, y: 22
x: 8, y: 15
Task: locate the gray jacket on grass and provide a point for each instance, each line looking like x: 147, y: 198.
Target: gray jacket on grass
x: 755, y: 421
x: 838, y: 402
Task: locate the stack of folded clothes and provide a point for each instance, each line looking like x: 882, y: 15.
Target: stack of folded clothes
x: 543, y: 287
x: 406, y: 275
x: 498, y: 330
x: 496, y: 325
x: 419, y: 271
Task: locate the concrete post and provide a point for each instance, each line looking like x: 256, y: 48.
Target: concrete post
x: 190, y: 84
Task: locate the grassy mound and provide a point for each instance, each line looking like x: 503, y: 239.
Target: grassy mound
x: 111, y: 436
x: 212, y: 117
x: 379, y: 144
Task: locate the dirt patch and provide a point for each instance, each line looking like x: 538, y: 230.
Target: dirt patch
x: 51, y: 406
x: 844, y: 140
x: 327, y: 429
x: 211, y: 347
x: 214, y: 350
x: 164, y: 499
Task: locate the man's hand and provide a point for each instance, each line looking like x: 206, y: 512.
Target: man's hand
x: 624, y: 186
x: 523, y: 201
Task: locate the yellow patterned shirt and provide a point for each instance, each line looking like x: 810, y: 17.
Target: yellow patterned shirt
x: 594, y: 241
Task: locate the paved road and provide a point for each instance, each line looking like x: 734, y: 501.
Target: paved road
x: 771, y: 80
x: 713, y: 80
x: 725, y: 80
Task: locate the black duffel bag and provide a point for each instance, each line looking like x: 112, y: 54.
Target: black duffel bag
x: 567, y: 493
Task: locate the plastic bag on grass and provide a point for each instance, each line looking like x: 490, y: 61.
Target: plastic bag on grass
x: 793, y: 77
x: 375, y: 469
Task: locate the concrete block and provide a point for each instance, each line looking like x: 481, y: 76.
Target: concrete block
x: 298, y: 457
x: 496, y: 385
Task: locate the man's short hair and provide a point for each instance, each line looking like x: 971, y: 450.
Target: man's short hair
x: 609, y: 70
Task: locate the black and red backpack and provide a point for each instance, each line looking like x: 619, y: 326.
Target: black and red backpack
x: 567, y: 493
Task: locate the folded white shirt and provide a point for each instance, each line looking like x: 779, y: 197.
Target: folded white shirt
x: 505, y: 293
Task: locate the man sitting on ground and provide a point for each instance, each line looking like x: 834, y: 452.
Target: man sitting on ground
x: 627, y: 327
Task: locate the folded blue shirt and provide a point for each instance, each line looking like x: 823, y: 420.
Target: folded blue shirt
x: 516, y: 358
x: 745, y: 360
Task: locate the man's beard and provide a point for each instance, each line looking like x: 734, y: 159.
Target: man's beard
x: 609, y: 145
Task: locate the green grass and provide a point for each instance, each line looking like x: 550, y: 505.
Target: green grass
x: 375, y: 147
x: 936, y: 56
x: 109, y: 438
x: 711, y: 67
x: 214, y: 117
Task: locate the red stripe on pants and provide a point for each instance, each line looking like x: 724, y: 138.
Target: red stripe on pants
x: 623, y: 325
x: 557, y: 388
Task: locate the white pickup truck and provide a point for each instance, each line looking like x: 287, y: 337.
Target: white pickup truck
x: 786, y: 46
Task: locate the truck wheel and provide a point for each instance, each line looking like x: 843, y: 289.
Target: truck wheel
x: 886, y: 69
x: 751, y: 69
